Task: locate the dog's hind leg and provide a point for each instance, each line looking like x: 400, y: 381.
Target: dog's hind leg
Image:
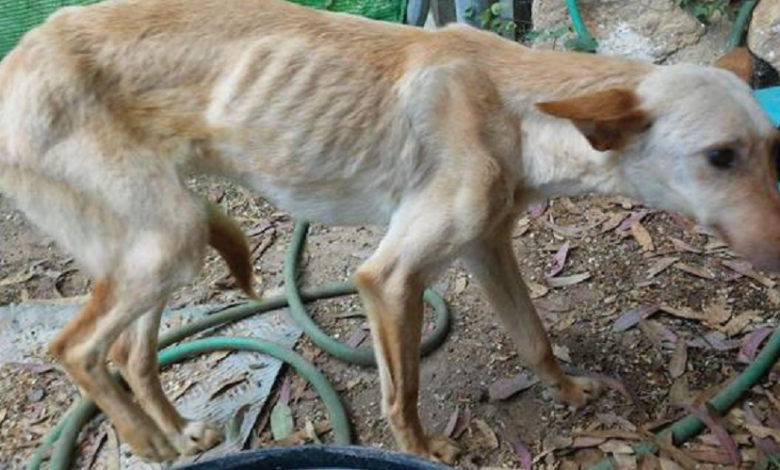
x: 135, y: 353
x: 492, y: 261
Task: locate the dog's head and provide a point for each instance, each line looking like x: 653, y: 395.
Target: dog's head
x: 692, y: 139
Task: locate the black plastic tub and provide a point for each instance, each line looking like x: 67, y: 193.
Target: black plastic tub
x: 317, y: 458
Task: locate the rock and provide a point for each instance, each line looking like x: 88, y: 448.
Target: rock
x: 764, y: 33
x: 651, y: 30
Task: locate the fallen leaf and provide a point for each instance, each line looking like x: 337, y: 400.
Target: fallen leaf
x: 715, y: 425
x: 233, y: 431
x: 634, y: 218
x: 714, y: 340
x: 658, y: 333
x: 611, y: 434
x: 708, y: 454
x: 113, y: 460
x: 567, y: 232
x: 767, y: 444
x: 751, y: 343
x: 537, y: 290
x: 660, y: 265
x: 3, y: 415
x: 91, y: 452
x: 631, y: 318
x: 745, y: 268
x: 460, y: 285
x: 774, y: 296
x: 625, y: 461
x: 582, y: 442
x: 763, y: 432
x: 682, y: 246
x: 487, y: 439
x: 683, y: 312
x: 311, y: 432
x: 740, y: 322
x: 464, y: 421
x: 561, y: 352
x: 282, y: 423
x: 565, y: 281
x: 523, y: 225
x: 450, y: 428
x: 523, y: 452
x: 616, y: 447
x: 537, y: 209
x: 696, y: 271
x: 613, y: 222
x: 717, y: 312
x: 679, y: 359
x: 642, y: 236
x: 667, y: 464
x: 680, y: 392
x: 559, y: 260
x: 18, y: 278
x: 681, y: 221
x: 505, y: 388
x: 649, y: 461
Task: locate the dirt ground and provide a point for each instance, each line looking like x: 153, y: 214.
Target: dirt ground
x: 686, y: 307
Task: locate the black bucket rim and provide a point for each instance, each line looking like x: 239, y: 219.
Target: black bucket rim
x: 316, y: 457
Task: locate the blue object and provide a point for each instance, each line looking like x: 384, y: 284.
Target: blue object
x: 317, y: 458
x: 769, y: 99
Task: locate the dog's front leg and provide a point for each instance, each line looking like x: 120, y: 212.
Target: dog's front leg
x: 493, y: 262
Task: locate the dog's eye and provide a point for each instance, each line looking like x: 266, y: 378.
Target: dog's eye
x: 723, y: 158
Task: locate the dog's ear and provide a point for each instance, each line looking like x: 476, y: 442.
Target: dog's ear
x: 739, y: 61
x: 608, y: 119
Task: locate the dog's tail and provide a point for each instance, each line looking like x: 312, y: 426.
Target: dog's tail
x: 226, y: 237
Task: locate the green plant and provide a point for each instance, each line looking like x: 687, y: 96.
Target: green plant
x: 548, y: 34
x: 706, y: 10
x: 490, y: 19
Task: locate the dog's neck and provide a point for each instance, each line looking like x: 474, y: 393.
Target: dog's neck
x: 556, y: 159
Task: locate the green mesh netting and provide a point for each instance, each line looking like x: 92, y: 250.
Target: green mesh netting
x: 19, y: 16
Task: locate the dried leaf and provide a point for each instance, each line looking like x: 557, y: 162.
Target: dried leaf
x: 625, y: 461
x: 285, y: 391
x: 709, y: 455
x: 537, y: 209
x: 561, y: 352
x: 681, y: 221
x: 763, y: 432
x: 559, y: 260
x: 616, y: 447
x: 460, y: 285
x: 683, y: 312
x: 682, y: 246
x: 565, y: 281
x: 612, y: 434
x: 3, y: 415
x: 487, y: 439
x: 667, y: 464
x: 660, y: 265
x: 696, y: 271
x: 740, y: 322
x: 774, y: 296
x: 311, y: 432
x: 505, y: 388
x: 744, y: 268
x: 631, y: 318
x: 282, y: 424
x: 679, y: 359
x: 233, y: 431
x: 537, y: 290
x: 714, y: 340
x: 464, y: 421
x: 642, y: 236
x: 633, y: 219
x: 524, y: 453
x: 658, y: 333
x: 680, y: 392
x: 568, y: 232
x: 18, y: 278
x: 613, y: 222
x: 583, y: 442
x: 450, y: 428
x: 751, y: 343
x: 91, y: 452
x: 714, y: 424
x: 523, y: 225
x: 113, y: 461
x: 767, y: 445
x: 717, y: 312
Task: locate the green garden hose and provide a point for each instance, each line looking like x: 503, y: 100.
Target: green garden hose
x: 738, y: 29
x: 584, y: 42
x: 64, y: 436
x: 690, y: 426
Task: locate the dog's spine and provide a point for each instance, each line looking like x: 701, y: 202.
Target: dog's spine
x: 226, y: 237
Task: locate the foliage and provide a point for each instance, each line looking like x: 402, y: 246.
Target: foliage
x: 706, y: 10
x: 490, y: 19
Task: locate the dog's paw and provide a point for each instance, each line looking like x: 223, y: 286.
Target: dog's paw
x: 443, y: 450
x: 577, y: 391
x: 152, y: 445
x: 197, y: 437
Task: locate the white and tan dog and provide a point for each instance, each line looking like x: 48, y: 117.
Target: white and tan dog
x: 444, y: 136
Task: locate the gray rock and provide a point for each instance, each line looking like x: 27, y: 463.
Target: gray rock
x: 764, y: 33
x: 651, y: 29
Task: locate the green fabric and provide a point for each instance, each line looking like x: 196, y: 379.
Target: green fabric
x: 19, y: 16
